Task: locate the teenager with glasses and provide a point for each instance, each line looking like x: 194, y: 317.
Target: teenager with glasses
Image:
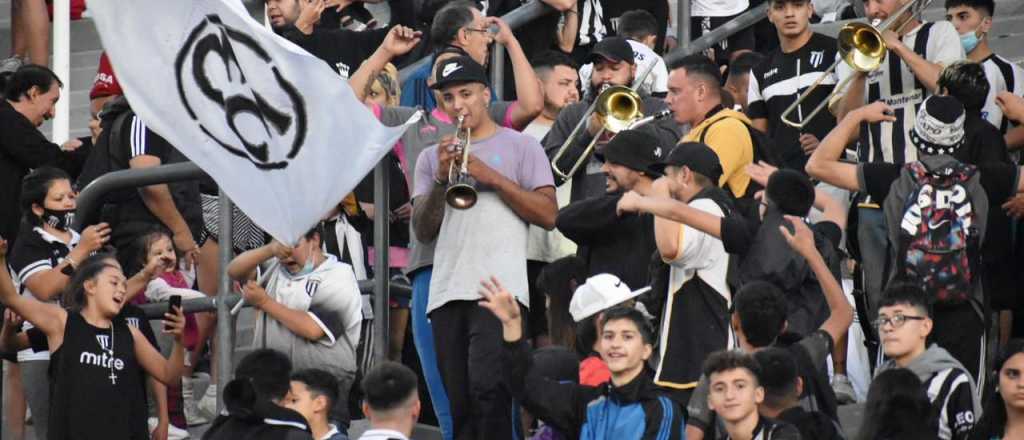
x: 904, y: 323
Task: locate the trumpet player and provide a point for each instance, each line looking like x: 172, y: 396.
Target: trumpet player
x: 614, y: 65
x: 512, y: 187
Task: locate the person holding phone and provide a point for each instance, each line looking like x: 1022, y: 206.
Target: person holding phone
x: 97, y: 356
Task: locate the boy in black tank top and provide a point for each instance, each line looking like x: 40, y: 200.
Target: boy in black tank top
x: 98, y: 360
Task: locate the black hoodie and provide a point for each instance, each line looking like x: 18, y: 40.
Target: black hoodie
x: 255, y: 420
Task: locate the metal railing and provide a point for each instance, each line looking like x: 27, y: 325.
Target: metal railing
x: 90, y: 203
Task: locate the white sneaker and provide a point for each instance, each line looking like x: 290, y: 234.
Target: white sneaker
x: 189, y: 406
x: 173, y: 432
x: 844, y: 389
x: 207, y: 405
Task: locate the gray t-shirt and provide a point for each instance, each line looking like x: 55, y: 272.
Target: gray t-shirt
x: 426, y: 132
x: 490, y: 238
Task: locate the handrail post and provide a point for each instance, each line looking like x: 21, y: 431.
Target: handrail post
x: 62, y: 67
x: 498, y: 71
x: 683, y: 32
x: 225, y: 322
x: 381, y: 269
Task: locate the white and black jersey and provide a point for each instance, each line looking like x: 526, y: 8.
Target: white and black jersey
x: 896, y: 85
x: 592, y: 27
x: 36, y: 251
x: 1003, y: 76
x: 776, y: 84
x: 950, y: 394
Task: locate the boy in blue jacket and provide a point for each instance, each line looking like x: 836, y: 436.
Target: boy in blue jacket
x: 628, y: 407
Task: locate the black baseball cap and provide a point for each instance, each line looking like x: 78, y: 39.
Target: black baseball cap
x: 613, y: 49
x: 460, y: 69
x: 636, y: 149
x: 697, y: 157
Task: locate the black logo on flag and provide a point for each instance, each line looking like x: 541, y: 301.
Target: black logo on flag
x: 231, y: 87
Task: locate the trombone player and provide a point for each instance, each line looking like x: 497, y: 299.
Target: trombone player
x: 480, y: 233
x: 909, y: 71
x: 614, y: 65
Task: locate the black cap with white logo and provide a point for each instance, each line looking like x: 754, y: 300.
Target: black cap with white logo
x: 635, y: 149
x: 697, y: 157
x: 459, y: 70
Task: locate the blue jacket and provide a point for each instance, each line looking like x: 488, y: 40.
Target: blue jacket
x: 638, y: 410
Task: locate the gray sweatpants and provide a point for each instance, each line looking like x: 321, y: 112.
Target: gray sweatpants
x: 37, y: 394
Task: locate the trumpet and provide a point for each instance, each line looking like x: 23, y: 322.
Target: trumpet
x: 460, y: 193
x: 862, y: 47
x: 619, y: 108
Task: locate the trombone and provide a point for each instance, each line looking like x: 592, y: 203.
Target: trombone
x: 862, y: 47
x: 460, y: 193
x: 619, y: 109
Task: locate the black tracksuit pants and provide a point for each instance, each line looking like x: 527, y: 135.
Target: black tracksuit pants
x: 468, y: 341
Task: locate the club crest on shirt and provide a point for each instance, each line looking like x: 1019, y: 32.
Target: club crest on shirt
x: 312, y: 285
x: 817, y: 57
x: 104, y: 341
x: 134, y: 322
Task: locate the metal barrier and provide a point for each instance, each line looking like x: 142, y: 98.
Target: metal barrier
x: 720, y: 33
x: 88, y: 212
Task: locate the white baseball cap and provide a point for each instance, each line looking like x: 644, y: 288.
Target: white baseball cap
x: 600, y: 293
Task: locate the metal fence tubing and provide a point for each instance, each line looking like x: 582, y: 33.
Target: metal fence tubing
x: 381, y: 243
x: 156, y: 310
x: 225, y: 322
x: 720, y: 33
x: 88, y: 207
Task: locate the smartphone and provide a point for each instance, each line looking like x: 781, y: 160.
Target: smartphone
x: 172, y: 303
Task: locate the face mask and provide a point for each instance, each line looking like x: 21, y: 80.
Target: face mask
x: 58, y: 219
x: 308, y: 267
x: 969, y: 40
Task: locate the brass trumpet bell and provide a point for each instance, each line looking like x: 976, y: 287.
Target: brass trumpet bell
x: 460, y: 195
x: 861, y: 46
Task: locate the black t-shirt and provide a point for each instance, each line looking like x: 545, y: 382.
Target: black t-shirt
x: 138, y: 140
x: 983, y: 143
x: 37, y: 251
x: 776, y: 83
x: 738, y: 232
x: 97, y: 384
x: 342, y: 49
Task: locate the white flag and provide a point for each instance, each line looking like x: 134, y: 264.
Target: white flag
x: 277, y: 129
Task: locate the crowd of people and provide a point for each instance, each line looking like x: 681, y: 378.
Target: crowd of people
x: 721, y: 264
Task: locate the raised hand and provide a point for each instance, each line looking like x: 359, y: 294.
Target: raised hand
x: 802, y: 239
x: 499, y: 301
x: 504, y: 35
x: 400, y: 40
x: 95, y: 236
x: 309, y: 15
x: 174, y: 324
x: 630, y: 202
x: 761, y: 172
x: 877, y: 111
x: 1011, y: 105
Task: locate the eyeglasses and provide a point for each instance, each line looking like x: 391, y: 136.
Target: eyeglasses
x: 472, y: 29
x: 896, y: 321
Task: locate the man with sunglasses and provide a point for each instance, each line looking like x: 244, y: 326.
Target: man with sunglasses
x: 904, y: 323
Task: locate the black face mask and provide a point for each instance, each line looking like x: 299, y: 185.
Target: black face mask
x: 58, y: 219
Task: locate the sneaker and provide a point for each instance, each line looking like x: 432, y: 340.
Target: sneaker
x: 207, y: 405
x: 173, y: 432
x: 11, y: 64
x: 844, y: 389
x: 189, y: 405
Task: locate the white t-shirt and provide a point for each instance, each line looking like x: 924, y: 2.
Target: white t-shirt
x: 656, y: 81
x: 541, y: 244
x: 890, y: 142
x: 718, y: 8
x: 1003, y: 76
x: 700, y: 252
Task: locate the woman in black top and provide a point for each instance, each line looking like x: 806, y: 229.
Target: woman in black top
x: 97, y: 360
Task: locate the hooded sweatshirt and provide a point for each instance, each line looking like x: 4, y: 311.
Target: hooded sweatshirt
x: 950, y: 389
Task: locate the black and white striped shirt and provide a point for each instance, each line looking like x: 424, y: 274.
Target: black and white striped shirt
x: 592, y: 25
x: 895, y: 84
x: 951, y: 396
x: 776, y: 83
x: 1003, y: 76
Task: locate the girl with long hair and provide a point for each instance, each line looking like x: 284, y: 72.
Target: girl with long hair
x: 1003, y: 417
x: 98, y: 361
